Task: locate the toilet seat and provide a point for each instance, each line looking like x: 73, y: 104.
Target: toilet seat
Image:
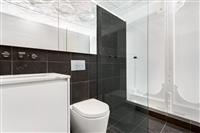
x: 91, y: 108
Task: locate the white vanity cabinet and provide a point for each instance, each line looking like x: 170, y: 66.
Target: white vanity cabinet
x: 35, y: 103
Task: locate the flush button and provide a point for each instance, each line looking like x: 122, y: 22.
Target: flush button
x: 77, y: 65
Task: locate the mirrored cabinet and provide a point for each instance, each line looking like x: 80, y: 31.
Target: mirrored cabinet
x: 63, y: 25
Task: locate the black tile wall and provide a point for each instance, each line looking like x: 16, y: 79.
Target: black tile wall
x: 83, y: 83
x: 5, y: 63
x: 93, y: 89
x: 111, y: 49
x: 78, y: 76
x: 27, y: 67
x: 55, y: 56
x: 93, y: 70
x: 64, y: 68
x: 80, y: 57
x: 5, y: 67
x: 80, y: 91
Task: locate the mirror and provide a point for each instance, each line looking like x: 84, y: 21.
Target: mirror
x: 64, y: 25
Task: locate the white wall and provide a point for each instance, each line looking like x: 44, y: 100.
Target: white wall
x: 187, y: 59
x: 137, y: 68
x: 187, y: 52
x: 156, y: 59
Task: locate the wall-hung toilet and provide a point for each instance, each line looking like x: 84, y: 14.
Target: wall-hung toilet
x: 89, y: 116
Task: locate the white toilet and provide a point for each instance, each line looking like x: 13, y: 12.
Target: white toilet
x: 89, y: 116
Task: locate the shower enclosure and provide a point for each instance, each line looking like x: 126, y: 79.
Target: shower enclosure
x: 166, y: 72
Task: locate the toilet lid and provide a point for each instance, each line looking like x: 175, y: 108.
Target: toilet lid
x: 91, y: 108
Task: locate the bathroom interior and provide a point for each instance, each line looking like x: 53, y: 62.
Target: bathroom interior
x: 100, y: 66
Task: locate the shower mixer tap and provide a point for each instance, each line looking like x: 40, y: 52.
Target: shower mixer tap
x: 135, y: 57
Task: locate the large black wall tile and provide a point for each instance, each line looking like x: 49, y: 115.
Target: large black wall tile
x: 24, y: 67
x: 107, y: 85
x: 107, y: 51
x: 121, y: 60
x: 57, y: 56
x: 92, y: 68
x: 106, y: 59
x: 93, y: 89
x: 111, y: 43
x: 77, y: 56
x: 57, y: 67
x: 119, y: 70
x: 78, y: 76
x: 106, y: 71
x: 80, y: 91
x: 5, y: 67
x: 92, y: 58
x: 110, y: 40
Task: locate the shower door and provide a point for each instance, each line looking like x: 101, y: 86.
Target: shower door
x: 173, y: 58
x: 186, y: 68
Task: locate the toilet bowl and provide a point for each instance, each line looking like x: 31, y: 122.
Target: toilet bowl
x: 89, y: 116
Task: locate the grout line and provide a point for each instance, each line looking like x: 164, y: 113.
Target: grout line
x: 77, y: 82
x: 12, y: 61
x: 138, y: 125
x: 163, y: 127
x: 117, y: 121
x: 1, y: 87
x: 1, y: 106
x: 47, y: 62
x: 123, y: 118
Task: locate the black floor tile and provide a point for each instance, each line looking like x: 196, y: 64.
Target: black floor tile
x: 122, y: 110
x: 113, y: 101
x: 130, y: 121
x: 114, y: 129
x: 152, y: 124
x: 170, y: 128
x: 126, y: 118
x: 112, y: 121
x: 141, y: 130
x: 155, y: 125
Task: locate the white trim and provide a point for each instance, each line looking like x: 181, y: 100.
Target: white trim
x: 25, y: 78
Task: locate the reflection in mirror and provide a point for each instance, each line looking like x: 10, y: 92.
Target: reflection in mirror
x: 26, y: 24
x: 79, y: 18
x: 48, y: 24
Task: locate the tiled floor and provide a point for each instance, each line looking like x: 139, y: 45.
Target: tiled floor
x: 127, y: 118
